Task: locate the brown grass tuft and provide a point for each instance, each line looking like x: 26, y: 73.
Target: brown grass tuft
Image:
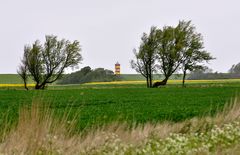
x: 38, y: 131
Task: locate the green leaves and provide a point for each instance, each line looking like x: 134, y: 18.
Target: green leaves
x: 173, y: 47
x: 146, y: 57
x: 235, y: 69
x: 46, y: 63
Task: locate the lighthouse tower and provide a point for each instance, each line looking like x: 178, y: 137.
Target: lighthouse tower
x: 117, y: 69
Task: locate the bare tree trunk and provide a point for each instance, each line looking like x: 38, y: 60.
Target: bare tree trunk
x: 184, y: 76
x: 37, y: 86
x: 150, y: 80
x: 147, y: 81
x: 162, y: 83
x: 40, y: 86
x: 150, y: 77
x: 25, y: 85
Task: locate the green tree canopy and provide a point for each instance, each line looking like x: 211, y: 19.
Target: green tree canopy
x: 86, y: 74
x: 46, y: 63
x: 145, y: 57
x: 169, y: 49
x: 193, y: 51
x: 235, y: 69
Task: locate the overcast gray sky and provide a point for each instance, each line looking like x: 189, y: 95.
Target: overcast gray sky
x: 108, y: 30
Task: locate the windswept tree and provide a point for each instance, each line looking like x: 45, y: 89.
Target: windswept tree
x: 180, y: 47
x: 235, y: 69
x: 193, y: 51
x: 46, y: 63
x: 145, y: 57
x: 170, y: 45
x: 22, y: 71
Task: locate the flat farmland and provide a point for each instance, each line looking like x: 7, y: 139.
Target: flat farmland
x: 103, y: 103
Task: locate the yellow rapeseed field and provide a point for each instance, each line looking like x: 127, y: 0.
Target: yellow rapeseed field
x: 137, y: 82
x: 16, y: 85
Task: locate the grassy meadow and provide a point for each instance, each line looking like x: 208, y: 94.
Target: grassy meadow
x: 125, y: 101
x: 114, y: 109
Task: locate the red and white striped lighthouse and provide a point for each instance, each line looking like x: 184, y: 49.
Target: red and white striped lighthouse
x: 117, y: 68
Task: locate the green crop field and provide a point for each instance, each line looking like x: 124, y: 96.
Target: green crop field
x: 10, y: 79
x: 98, y: 104
x: 15, y: 79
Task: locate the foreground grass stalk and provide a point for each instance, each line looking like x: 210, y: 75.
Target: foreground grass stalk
x: 39, y: 131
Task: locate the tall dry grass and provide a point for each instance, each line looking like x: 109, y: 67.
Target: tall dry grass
x: 39, y: 131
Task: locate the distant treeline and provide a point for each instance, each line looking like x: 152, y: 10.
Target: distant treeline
x: 190, y: 76
x: 87, y: 74
x: 207, y: 73
x: 211, y: 76
x: 139, y: 77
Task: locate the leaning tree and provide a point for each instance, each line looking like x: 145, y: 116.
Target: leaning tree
x: 180, y: 47
x: 145, y: 57
x: 46, y: 63
x: 235, y: 69
x: 193, y: 51
x: 170, y: 45
x: 22, y: 71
